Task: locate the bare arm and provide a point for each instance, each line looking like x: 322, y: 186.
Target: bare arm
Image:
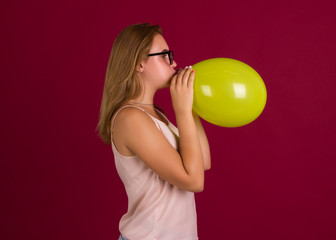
x: 181, y: 91
x: 138, y: 133
x: 204, y: 142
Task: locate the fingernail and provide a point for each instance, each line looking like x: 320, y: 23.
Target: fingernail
x: 186, y: 67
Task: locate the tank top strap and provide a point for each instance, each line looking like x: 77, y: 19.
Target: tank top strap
x: 170, y: 125
x: 125, y: 106
x: 161, y: 113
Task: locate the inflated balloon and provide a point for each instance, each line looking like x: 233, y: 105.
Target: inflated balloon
x: 227, y: 92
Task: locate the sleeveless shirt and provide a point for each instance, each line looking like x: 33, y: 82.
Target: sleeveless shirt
x: 156, y: 208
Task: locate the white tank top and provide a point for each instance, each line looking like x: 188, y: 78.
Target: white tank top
x: 156, y: 209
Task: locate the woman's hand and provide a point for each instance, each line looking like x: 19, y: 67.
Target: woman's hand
x: 181, y: 90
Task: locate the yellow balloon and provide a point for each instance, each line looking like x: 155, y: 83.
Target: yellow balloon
x: 227, y: 92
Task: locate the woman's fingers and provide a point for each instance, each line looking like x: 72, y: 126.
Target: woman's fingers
x: 183, y: 76
x: 181, y: 90
x: 186, y: 76
x: 180, y: 76
x: 191, y: 79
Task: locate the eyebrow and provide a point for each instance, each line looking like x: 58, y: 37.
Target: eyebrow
x: 164, y: 50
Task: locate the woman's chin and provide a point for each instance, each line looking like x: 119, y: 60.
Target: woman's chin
x: 166, y: 85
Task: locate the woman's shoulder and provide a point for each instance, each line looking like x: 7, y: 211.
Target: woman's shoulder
x: 128, y: 112
x: 131, y: 116
x: 128, y: 123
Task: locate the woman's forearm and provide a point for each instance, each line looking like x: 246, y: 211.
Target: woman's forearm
x: 190, y: 149
x: 203, y: 142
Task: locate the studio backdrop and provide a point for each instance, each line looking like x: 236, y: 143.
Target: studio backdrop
x: 271, y: 179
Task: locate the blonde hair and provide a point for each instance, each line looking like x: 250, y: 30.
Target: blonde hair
x: 130, y: 47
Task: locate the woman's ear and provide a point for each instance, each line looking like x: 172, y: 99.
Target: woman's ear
x: 140, y: 68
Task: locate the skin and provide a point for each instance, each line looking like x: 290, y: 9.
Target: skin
x: 134, y: 133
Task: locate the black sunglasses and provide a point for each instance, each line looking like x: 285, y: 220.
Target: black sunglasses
x: 169, y: 53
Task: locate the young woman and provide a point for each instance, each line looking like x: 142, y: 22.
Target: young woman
x: 161, y: 167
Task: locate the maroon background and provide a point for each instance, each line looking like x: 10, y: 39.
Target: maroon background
x: 272, y: 179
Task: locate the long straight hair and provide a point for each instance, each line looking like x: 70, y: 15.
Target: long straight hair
x: 130, y: 47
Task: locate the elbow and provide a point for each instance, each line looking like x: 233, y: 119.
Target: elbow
x: 207, y: 164
x: 199, y: 189
x: 198, y: 186
x: 207, y: 167
x: 196, y: 189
